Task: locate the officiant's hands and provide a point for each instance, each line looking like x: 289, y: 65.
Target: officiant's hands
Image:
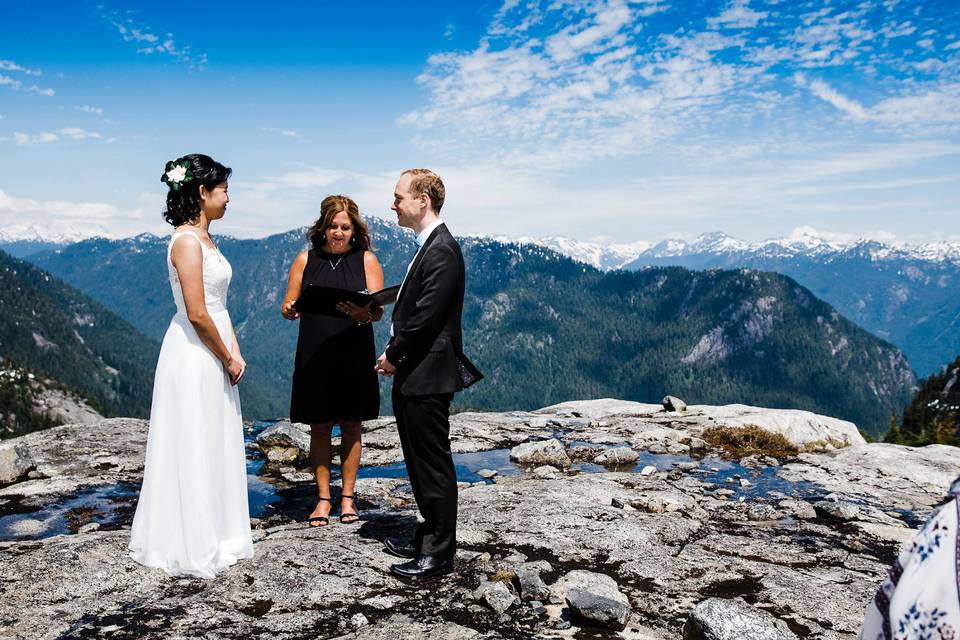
x: 287, y: 310
x: 360, y: 315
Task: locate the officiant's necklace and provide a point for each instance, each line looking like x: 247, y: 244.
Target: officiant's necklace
x: 334, y: 266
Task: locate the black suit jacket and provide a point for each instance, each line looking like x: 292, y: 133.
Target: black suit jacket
x: 427, y: 336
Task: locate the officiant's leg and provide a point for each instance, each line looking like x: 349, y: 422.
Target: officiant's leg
x: 320, y: 461
x: 350, y: 448
x: 428, y: 422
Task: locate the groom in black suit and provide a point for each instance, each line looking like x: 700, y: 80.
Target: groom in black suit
x: 424, y: 354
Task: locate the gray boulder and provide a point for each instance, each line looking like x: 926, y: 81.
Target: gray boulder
x: 549, y: 452
x: 15, y: 463
x: 532, y: 586
x: 718, y: 619
x: 497, y: 595
x: 285, y: 443
x: 616, y: 457
x: 671, y: 403
x: 841, y: 510
x: 593, y: 598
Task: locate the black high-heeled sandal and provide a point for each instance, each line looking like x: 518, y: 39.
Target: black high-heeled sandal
x: 320, y: 521
x: 349, y: 518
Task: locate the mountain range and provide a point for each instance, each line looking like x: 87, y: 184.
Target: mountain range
x: 54, y: 330
x: 546, y: 328
x: 904, y: 294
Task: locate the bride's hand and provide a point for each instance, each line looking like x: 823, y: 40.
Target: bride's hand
x: 235, y: 367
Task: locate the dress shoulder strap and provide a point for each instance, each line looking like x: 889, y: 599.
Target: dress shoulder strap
x: 185, y: 232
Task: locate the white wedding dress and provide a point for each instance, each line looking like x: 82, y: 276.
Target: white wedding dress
x: 192, y: 517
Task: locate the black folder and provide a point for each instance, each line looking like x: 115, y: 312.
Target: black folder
x: 323, y: 300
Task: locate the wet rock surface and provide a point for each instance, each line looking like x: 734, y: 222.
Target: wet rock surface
x: 669, y: 541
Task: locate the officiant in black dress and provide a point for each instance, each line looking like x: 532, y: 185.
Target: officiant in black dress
x: 333, y: 378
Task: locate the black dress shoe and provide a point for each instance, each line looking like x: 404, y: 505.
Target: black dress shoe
x: 395, y: 547
x: 422, y: 567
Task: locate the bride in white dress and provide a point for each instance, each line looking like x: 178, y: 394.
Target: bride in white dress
x: 192, y: 517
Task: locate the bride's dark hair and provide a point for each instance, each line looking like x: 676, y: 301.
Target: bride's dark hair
x: 183, y: 199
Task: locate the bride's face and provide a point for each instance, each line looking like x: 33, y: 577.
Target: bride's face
x: 339, y: 233
x: 215, y: 201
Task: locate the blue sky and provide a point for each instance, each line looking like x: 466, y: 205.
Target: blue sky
x: 614, y: 121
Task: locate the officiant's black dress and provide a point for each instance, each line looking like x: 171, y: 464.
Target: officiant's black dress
x: 333, y: 376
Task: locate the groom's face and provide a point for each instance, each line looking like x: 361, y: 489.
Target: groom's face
x: 405, y: 205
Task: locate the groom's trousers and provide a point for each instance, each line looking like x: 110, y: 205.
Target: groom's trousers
x: 423, y: 423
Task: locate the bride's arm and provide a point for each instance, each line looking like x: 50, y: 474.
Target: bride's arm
x: 187, y: 258
x: 294, y: 283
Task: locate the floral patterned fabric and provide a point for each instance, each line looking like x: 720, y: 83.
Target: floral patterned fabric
x: 920, y: 597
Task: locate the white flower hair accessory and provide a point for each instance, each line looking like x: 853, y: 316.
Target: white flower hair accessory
x: 175, y: 175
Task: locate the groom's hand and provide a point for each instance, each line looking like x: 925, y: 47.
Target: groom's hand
x: 384, y: 367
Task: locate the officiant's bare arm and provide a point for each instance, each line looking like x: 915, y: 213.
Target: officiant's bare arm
x: 187, y: 259
x: 294, y: 284
x: 374, y: 273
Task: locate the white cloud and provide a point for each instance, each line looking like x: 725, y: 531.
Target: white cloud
x: 952, y: 46
x: 287, y: 133
x: 18, y: 85
x: 153, y: 43
x: 937, y: 109
x: 70, y: 133
x: 71, y: 220
x: 76, y: 133
x: 24, y: 139
x: 10, y: 65
x: 88, y: 109
x: 738, y: 15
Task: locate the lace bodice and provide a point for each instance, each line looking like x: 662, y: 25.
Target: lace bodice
x: 216, y: 276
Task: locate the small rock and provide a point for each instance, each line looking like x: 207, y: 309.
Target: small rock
x: 545, y: 472
x: 745, y: 484
x: 497, y: 596
x: 532, y: 586
x: 358, y: 620
x: 382, y: 603
x: 657, y: 448
x: 486, y: 474
x: 90, y: 526
x: 284, y: 443
x: 298, y: 477
x: 799, y: 509
x: 594, y: 598
x: 585, y: 453
x: 537, y: 608
x: 672, y: 403
x: 698, y: 445
x: 617, y: 457
x: 718, y: 619
x: 15, y: 463
x: 840, y: 510
x: 544, y: 452
x: 648, y: 470
x: 678, y: 449
x: 28, y: 527
x: 762, y: 512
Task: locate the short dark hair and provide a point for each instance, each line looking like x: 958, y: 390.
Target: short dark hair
x: 424, y: 181
x: 183, y: 204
